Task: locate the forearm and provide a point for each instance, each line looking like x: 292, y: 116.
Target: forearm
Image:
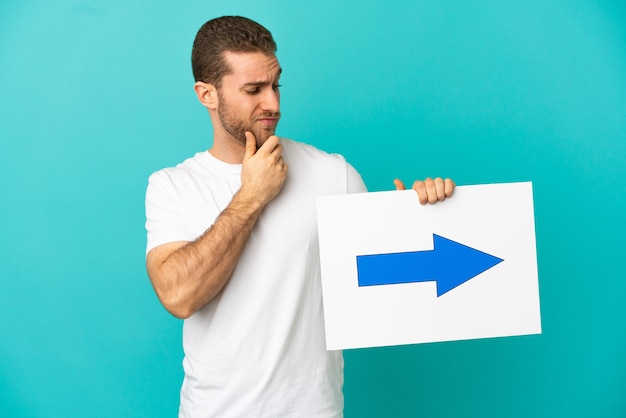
x: 194, y: 273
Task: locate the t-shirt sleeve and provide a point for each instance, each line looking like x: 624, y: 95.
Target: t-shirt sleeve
x: 164, y: 222
x: 355, y: 182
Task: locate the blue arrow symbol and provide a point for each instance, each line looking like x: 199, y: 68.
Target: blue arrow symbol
x: 450, y: 264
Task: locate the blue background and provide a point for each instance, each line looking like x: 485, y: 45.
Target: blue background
x: 94, y: 96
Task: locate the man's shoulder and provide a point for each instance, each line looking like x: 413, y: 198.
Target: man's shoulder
x: 182, y: 170
x: 324, y: 172
x: 307, y: 151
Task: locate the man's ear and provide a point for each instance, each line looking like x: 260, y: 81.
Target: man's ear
x: 207, y: 94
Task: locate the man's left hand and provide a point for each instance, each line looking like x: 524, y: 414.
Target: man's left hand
x: 430, y: 191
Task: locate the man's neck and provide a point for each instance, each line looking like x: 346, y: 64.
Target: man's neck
x: 230, y: 152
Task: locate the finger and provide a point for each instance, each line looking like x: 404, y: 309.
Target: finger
x: 270, y: 144
x: 431, y: 190
x: 280, y: 163
x: 440, y: 189
x: 449, y: 186
x: 277, y: 152
x: 420, y: 188
x: 250, y: 145
x: 399, y: 185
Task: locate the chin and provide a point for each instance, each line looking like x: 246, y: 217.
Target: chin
x: 262, y: 137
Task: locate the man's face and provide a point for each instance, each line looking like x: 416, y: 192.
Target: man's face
x: 249, y: 97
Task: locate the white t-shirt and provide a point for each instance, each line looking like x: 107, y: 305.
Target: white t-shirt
x: 258, y: 348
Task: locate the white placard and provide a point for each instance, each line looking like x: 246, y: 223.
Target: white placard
x: 495, y: 219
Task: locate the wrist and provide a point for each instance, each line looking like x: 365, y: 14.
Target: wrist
x: 248, y: 201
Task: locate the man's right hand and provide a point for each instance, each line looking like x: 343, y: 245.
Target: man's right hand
x: 263, y: 170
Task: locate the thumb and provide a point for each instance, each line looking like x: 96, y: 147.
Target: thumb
x: 399, y: 185
x: 250, y: 145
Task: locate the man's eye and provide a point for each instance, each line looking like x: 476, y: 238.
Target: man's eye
x: 253, y: 91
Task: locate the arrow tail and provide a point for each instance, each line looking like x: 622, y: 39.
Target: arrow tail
x: 392, y: 268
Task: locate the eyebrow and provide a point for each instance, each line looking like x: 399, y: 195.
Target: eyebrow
x: 261, y: 83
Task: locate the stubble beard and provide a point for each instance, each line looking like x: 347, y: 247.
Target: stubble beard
x: 237, y: 127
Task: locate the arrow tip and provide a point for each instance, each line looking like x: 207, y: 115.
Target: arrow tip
x: 459, y: 263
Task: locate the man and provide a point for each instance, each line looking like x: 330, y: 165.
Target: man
x: 232, y: 242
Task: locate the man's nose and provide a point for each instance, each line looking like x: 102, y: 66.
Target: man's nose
x: 271, y: 101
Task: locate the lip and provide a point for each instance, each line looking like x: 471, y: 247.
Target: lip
x: 269, y: 122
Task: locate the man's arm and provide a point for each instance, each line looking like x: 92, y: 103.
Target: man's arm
x: 187, y: 275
